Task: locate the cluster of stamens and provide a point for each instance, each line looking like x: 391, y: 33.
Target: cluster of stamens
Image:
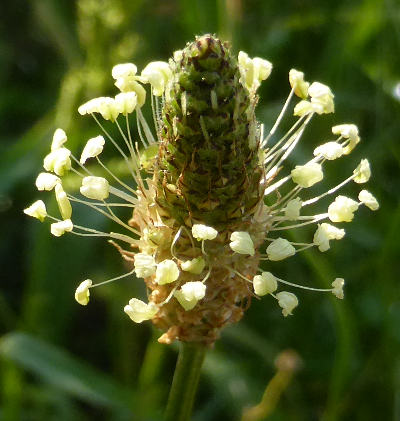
x: 159, y: 259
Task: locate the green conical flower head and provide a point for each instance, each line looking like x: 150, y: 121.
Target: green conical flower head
x: 199, y: 220
x: 208, y: 160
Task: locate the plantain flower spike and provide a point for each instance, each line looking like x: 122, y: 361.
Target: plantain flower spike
x: 208, y: 190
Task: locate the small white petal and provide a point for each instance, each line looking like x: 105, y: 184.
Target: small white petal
x: 337, y: 289
x: 37, y: 210
x: 96, y: 188
x: 195, y: 266
x: 91, y: 106
x: 317, y: 90
x: 60, y: 228
x: 307, y: 175
x: 138, y: 310
x: 297, y: 83
x: 342, y: 209
x: 348, y: 131
x: 362, y: 172
x: 292, y: 209
x: 253, y: 71
x: 158, y: 74
x: 368, y: 200
x: 203, y: 232
x: 242, y: 243
x: 58, y: 161
x: 131, y: 85
x: 178, y: 55
x: 103, y: 105
x: 82, y: 293
x: 326, y: 232
x: 329, y: 150
x: 88, y: 107
x: 263, y: 68
x: 108, y: 109
x: 246, y: 68
x: 287, y: 301
x: 126, y: 102
x: 93, y: 148
x: 145, y: 265
x: 190, y: 294
x: 123, y: 70
x: 321, y: 98
x: 46, y: 181
x: 264, y: 284
x: 59, y: 138
x: 167, y: 271
x: 280, y: 249
x: 63, y: 202
x: 193, y: 290
x: 302, y: 108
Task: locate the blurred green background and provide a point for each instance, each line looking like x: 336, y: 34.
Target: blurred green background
x: 60, y: 361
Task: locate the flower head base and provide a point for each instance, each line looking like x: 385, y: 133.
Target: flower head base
x: 138, y: 311
x: 82, y: 293
x: 212, y: 195
x: 37, y: 210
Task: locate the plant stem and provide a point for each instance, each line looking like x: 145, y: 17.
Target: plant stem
x: 185, y: 381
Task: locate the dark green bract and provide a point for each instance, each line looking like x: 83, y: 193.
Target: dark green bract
x: 208, y: 161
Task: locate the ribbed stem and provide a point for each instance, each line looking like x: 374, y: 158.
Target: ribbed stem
x: 185, y: 382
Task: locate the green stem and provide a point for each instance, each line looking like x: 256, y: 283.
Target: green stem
x: 185, y: 381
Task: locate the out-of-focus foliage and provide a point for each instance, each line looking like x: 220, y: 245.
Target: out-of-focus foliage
x: 90, y: 363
